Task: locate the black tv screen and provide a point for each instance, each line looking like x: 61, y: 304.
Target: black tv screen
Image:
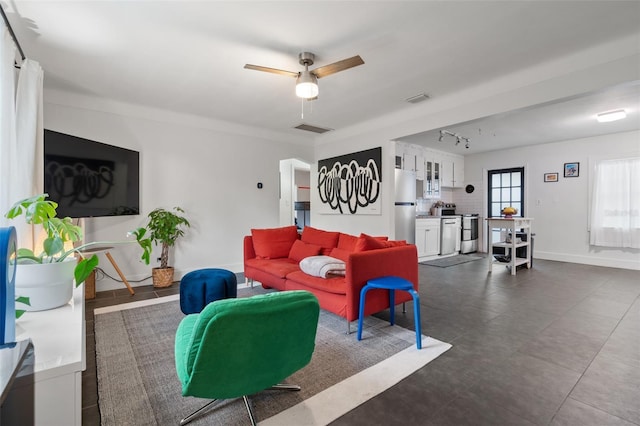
x: 88, y: 178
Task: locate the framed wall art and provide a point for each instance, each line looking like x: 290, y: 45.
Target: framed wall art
x: 571, y: 169
x: 551, y: 177
x: 351, y: 183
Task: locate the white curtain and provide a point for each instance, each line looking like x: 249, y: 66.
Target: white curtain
x: 8, y: 154
x: 615, y: 210
x: 21, y: 130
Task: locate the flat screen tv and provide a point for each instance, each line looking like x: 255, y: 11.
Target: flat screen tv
x: 90, y: 179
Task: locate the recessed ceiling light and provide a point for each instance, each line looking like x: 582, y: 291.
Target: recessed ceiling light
x: 605, y: 117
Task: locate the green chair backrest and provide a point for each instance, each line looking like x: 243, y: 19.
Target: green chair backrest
x: 237, y: 347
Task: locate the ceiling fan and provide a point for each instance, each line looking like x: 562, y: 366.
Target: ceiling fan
x: 307, y: 81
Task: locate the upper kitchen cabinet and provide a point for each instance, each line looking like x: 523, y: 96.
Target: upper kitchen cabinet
x: 409, y: 161
x: 452, y: 173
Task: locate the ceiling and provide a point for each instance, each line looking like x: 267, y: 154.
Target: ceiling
x: 188, y: 57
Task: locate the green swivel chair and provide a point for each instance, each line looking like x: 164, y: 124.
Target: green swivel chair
x: 238, y: 347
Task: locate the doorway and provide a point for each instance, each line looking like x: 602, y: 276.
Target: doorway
x: 295, y: 193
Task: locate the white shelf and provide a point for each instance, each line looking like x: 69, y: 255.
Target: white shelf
x: 58, y: 337
x: 512, y: 226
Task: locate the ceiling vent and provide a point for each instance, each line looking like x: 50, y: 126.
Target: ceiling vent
x: 310, y: 128
x: 418, y: 98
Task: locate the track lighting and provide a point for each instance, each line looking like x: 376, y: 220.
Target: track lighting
x: 458, y: 137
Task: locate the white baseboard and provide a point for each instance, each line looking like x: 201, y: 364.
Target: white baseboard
x: 633, y: 264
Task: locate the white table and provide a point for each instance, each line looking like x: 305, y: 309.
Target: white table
x: 58, y: 337
x: 509, y: 226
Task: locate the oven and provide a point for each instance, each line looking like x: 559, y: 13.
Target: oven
x: 469, y: 243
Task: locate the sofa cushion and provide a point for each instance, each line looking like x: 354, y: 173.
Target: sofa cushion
x: 341, y: 254
x: 279, y: 268
x: 300, y: 250
x: 325, y: 239
x: 347, y: 242
x: 335, y: 285
x: 274, y: 243
x: 367, y: 242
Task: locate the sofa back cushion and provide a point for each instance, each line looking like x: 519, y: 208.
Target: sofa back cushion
x: 347, y: 242
x: 274, y: 243
x: 300, y: 250
x: 367, y: 242
x: 325, y: 239
x: 341, y: 254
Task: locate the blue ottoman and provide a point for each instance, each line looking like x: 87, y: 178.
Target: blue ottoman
x: 203, y: 286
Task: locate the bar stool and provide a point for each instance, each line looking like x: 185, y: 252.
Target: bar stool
x: 392, y: 283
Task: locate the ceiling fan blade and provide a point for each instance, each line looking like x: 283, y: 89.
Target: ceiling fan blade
x: 335, y: 67
x: 272, y: 70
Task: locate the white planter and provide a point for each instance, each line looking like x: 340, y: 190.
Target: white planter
x: 47, y: 285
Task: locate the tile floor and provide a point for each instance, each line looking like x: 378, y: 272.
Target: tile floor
x: 558, y: 344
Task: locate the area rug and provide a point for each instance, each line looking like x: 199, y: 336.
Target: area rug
x: 445, y: 262
x: 137, y: 383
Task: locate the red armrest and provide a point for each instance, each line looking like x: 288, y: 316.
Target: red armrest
x: 249, y: 252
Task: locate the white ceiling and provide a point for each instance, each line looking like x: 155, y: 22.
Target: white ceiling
x: 188, y: 56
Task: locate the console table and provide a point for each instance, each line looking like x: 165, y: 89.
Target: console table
x: 58, y: 337
x: 509, y: 226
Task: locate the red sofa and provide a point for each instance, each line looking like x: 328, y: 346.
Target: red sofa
x: 272, y: 256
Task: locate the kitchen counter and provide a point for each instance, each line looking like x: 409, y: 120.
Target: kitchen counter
x: 436, y: 217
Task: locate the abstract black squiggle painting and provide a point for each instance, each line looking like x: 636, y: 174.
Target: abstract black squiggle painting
x: 350, y: 184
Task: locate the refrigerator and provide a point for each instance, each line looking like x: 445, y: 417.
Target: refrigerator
x: 405, y: 205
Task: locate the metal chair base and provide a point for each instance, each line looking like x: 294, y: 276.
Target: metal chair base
x: 247, y: 404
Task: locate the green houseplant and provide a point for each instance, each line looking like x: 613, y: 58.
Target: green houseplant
x: 46, y: 278
x: 164, y: 228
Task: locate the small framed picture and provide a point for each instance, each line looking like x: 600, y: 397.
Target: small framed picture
x: 551, y: 177
x: 571, y: 169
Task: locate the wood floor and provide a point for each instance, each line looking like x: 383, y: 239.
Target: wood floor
x: 558, y: 344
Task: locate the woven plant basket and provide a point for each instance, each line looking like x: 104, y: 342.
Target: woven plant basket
x: 162, y: 277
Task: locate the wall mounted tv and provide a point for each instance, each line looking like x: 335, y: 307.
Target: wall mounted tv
x: 89, y: 179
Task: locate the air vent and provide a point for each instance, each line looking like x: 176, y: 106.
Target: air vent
x: 418, y: 98
x: 310, y: 128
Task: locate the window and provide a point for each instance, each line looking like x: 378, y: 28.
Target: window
x: 506, y: 188
x: 615, y: 208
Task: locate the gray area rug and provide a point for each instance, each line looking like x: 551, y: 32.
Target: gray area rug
x: 452, y: 260
x: 137, y: 383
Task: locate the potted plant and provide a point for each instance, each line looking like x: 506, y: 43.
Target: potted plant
x: 164, y: 227
x: 46, y: 279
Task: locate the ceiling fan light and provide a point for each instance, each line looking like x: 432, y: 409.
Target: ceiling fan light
x: 605, y: 117
x: 306, y: 85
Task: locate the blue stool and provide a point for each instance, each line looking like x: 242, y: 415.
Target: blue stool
x: 203, y: 286
x: 392, y: 284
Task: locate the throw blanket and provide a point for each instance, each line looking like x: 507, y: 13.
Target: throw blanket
x: 322, y: 266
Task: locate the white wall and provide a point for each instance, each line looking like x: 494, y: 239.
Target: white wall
x: 212, y: 174
x: 559, y: 209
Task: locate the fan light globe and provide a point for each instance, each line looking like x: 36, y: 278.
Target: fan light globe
x: 306, y: 85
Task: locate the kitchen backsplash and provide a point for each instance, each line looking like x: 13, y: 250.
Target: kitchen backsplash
x: 468, y: 203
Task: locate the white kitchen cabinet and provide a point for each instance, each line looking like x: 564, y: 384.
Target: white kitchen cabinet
x: 431, y: 178
x: 452, y: 171
x: 428, y: 237
x: 419, y: 167
x: 409, y: 162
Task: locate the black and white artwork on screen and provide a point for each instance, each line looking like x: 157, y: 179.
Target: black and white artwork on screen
x: 350, y: 183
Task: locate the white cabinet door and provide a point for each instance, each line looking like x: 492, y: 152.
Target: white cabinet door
x: 419, y: 167
x: 447, y: 172
x: 428, y: 237
x: 432, y: 237
x: 452, y: 171
x: 458, y: 172
x: 409, y: 162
